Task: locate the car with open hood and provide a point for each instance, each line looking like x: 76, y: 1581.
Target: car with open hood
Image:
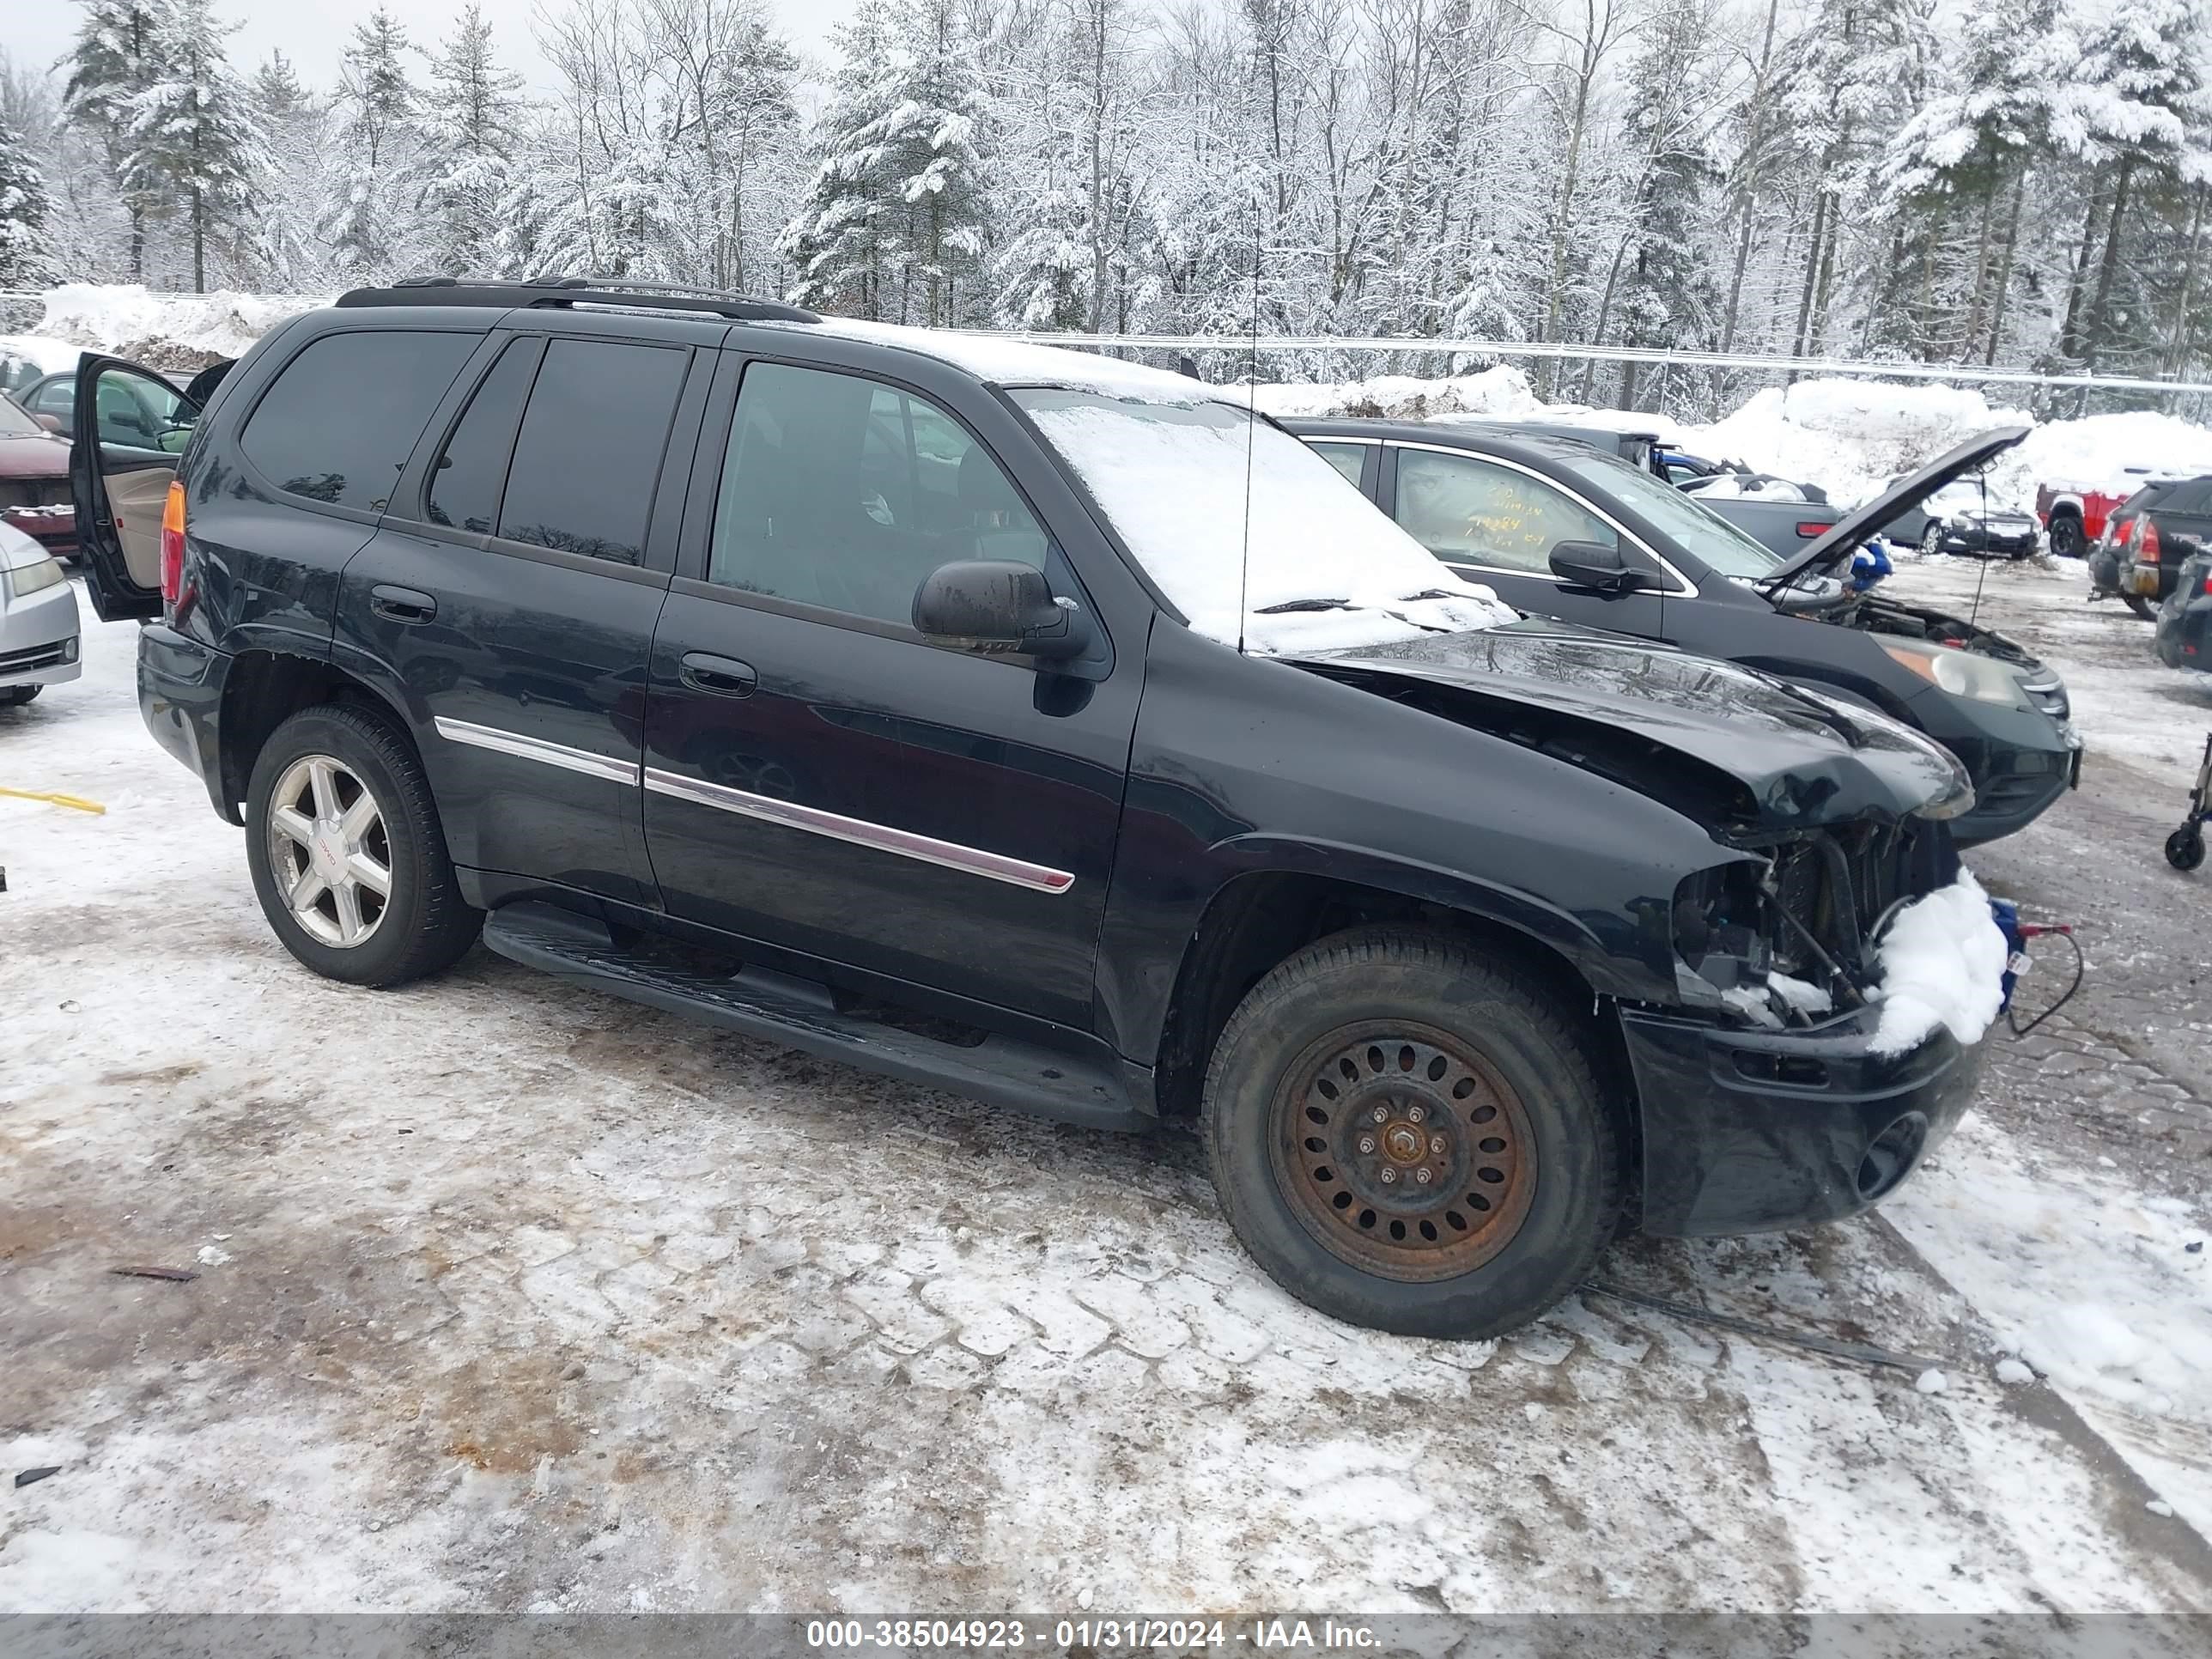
x: 1049, y: 730
x: 1561, y: 529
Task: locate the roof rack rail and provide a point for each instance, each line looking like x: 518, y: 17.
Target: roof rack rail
x: 555, y: 291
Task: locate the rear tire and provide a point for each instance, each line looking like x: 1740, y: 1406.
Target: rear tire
x: 2142, y: 606
x: 1391, y: 1048
x: 353, y: 781
x: 2184, y: 849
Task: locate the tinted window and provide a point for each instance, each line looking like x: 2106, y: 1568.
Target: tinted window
x: 341, y: 418
x: 2190, y: 497
x: 588, y: 455
x: 1348, y: 459
x: 1468, y: 510
x: 842, y: 492
x: 464, y: 486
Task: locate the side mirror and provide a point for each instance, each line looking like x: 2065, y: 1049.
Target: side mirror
x: 998, y: 604
x: 1598, y: 566
x: 52, y: 423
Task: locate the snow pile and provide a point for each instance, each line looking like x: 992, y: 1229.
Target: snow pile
x: 165, y: 330
x: 53, y: 356
x: 1500, y: 391
x: 2086, y: 1345
x: 1850, y: 437
x: 1177, y: 482
x: 1942, y: 963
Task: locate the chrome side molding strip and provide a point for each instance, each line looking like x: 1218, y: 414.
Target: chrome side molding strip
x: 537, y: 749
x: 973, y: 860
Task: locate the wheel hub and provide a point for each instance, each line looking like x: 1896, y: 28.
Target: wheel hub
x: 1403, y: 1150
x: 330, y: 851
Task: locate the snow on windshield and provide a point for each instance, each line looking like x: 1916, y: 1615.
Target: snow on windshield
x: 1326, y: 570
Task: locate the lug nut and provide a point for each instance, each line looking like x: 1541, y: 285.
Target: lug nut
x: 1422, y: 1176
x: 1389, y: 1175
x: 1436, y: 1148
x: 1367, y: 1143
x: 1414, y: 1114
x: 1381, y: 1114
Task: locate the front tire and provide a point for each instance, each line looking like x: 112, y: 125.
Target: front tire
x: 1931, y: 539
x: 2184, y: 849
x: 2066, y: 539
x: 1407, y: 1138
x: 348, y: 856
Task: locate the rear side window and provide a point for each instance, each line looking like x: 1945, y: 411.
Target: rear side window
x: 2193, y: 496
x: 466, y: 485
x: 338, y: 423
x: 1349, y: 460
x: 588, y: 456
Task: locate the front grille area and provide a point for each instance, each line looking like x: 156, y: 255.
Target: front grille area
x: 1838, y: 885
x: 17, y: 493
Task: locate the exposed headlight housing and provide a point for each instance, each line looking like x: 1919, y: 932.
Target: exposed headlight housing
x: 1959, y: 672
x: 1962, y: 521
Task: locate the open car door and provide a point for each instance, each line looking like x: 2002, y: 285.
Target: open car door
x: 129, y: 426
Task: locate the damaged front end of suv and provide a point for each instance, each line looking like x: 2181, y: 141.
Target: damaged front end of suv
x: 1768, y: 1090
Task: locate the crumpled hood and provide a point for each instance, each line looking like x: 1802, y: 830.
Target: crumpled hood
x: 1612, y: 704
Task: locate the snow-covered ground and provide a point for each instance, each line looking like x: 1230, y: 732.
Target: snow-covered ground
x: 512, y: 1296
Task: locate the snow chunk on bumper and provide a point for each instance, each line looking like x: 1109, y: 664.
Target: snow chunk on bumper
x: 1942, y: 963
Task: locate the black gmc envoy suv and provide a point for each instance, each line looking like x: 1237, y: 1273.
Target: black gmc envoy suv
x: 1040, y: 727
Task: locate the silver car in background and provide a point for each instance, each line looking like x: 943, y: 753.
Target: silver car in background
x: 38, y: 643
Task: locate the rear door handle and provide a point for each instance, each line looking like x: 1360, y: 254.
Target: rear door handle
x: 719, y: 676
x: 401, y: 604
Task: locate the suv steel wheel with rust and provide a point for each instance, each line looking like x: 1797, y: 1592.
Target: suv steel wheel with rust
x: 1407, y: 1138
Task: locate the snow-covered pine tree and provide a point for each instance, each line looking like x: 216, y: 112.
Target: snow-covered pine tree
x: 26, y: 246
x: 193, y: 128
x: 1660, y: 291
x: 370, y: 225
x: 1072, y: 127
x: 115, y: 58
x: 1968, y: 149
x: 2135, y: 109
x: 891, y: 226
x: 472, y: 128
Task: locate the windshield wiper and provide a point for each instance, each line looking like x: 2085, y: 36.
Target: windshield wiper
x: 1290, y: 606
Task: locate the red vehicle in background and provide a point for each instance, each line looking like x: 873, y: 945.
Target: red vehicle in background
x: 2075, y: 514
x: 34, y: 486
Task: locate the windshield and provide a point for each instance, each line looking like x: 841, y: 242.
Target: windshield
x: 1325, y: 570
x: 1725, y: 549
x: 14, y: 420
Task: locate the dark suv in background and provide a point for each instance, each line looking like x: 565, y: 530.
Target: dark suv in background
x: 933, y: 704
x: 2150, y: 536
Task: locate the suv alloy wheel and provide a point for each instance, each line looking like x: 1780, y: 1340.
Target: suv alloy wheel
x: 337, y: 809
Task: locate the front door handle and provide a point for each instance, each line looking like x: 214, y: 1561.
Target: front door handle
x: 718, y: 677
x: 401, y: 604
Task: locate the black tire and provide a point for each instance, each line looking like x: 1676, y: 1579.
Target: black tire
x: 1931, y: 539
x: 2142, y: 606
x: 2066, y: 539
x: 14, y: 696
x: 1359, y: 988
x: 2184, y: 849
x: 423, y: 925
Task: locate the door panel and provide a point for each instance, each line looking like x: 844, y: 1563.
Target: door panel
x: 506, y: 596
x: 870, y: 797
x: 128, y: 427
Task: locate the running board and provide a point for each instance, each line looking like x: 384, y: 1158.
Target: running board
x: 800, y: 1014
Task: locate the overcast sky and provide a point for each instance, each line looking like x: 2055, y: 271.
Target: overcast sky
x: 313, y: 33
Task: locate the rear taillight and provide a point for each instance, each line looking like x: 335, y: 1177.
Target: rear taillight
x: 1806, y: 527
x: 173, y: 547
x: 2147, y: 542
